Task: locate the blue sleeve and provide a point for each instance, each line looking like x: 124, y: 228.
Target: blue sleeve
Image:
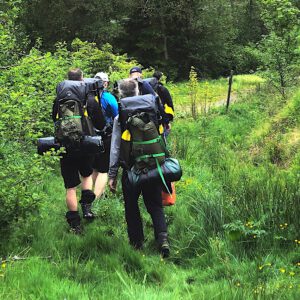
x: 112, y: 102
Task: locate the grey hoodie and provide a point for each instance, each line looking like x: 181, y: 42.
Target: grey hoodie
x: 115, y: 149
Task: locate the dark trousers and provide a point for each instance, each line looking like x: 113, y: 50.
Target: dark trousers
x: 152, y: 199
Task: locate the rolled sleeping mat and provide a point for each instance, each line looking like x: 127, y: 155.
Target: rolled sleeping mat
x: 92, y: 144
x: 171, y: 171
x: 46, y: 144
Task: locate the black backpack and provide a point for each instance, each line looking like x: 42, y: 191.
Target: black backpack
x: 142, y: 144
x: 73, y: 121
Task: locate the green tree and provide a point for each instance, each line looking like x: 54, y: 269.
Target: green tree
x: 277, y: 50
x: 12, y: 40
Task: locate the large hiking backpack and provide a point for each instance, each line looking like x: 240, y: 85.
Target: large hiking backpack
x: 142, y: 144
x: 73, y: 122
x: 94, y: 86
x: 143, y: 150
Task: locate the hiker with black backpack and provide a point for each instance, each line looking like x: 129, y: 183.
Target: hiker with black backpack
x: 165, y: 97
x: 137, y: 143
x: 110, y: 110
x: 74, y: 110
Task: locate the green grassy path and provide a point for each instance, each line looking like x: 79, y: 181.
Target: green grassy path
x: 224, y: 182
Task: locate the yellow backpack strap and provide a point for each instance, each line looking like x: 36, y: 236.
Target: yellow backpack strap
x: 161, y: 129
x: 169, y: 110
x: 126, y: 136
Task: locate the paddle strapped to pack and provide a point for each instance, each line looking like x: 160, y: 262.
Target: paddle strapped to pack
x: 73, y: 121
x: 143, y: 148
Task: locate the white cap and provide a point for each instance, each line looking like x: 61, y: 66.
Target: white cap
x: 103, y: 76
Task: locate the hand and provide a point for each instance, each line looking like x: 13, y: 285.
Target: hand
x: 168, y: 126
x: 112, y: 182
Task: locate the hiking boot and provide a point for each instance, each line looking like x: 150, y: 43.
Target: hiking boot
x: 163, y: 244
x: 87, y: 198
x: 73, y: 219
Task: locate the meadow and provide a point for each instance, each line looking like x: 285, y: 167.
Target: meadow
x: 234, y: 230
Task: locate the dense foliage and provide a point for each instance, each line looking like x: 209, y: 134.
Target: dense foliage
x: 172, y: 35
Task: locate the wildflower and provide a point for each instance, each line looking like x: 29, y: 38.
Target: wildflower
x: 3, y: 265
x: 291, y: 286
x: 298, y: 264
x: 282, y: 270
x: 177, y: 252
x: 260, y: 267
x: 238, y: 284
x: 292, y: 273
x: 268, y: 264
x: 254, y: 236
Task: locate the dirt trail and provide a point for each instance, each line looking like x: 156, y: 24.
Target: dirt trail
x: 209, y: 105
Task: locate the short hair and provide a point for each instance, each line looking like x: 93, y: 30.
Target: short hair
x: 157, y: 74
x: 75, y: 74
x: 128, y: 88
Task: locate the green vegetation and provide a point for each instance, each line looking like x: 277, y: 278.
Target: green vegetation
x: 234, y: 230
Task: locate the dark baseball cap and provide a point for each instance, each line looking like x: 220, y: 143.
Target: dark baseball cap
x: 135, y: 69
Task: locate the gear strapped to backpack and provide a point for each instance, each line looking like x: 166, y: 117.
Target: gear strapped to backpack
x: 73, y: 121
x: 142, y: 146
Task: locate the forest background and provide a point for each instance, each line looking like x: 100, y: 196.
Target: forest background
x: 235, y: 228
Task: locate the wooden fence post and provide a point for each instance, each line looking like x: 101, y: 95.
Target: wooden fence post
x: 229, y: 90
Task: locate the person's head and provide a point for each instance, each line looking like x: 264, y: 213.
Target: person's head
x: 128, y: 88
x: 75, y: 74
x: 104, y: 77
x: 135, y: 72
x: 157, y: 75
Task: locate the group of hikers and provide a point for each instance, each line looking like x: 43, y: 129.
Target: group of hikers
x: 133, y: 122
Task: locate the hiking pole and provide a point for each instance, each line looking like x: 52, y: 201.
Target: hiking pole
x: 229, y: 90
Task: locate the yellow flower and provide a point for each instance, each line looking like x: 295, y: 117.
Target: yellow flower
x: 292, y: 273
x: 3, y: 265
x: 268, y: 264
x: 282, y: 270
x: 298, y: 264
x: 254, y: 236
x: 238, y: 284
x: 260, y: 267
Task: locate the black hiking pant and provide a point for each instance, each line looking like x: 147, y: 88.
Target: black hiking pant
x: 153, y: 202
